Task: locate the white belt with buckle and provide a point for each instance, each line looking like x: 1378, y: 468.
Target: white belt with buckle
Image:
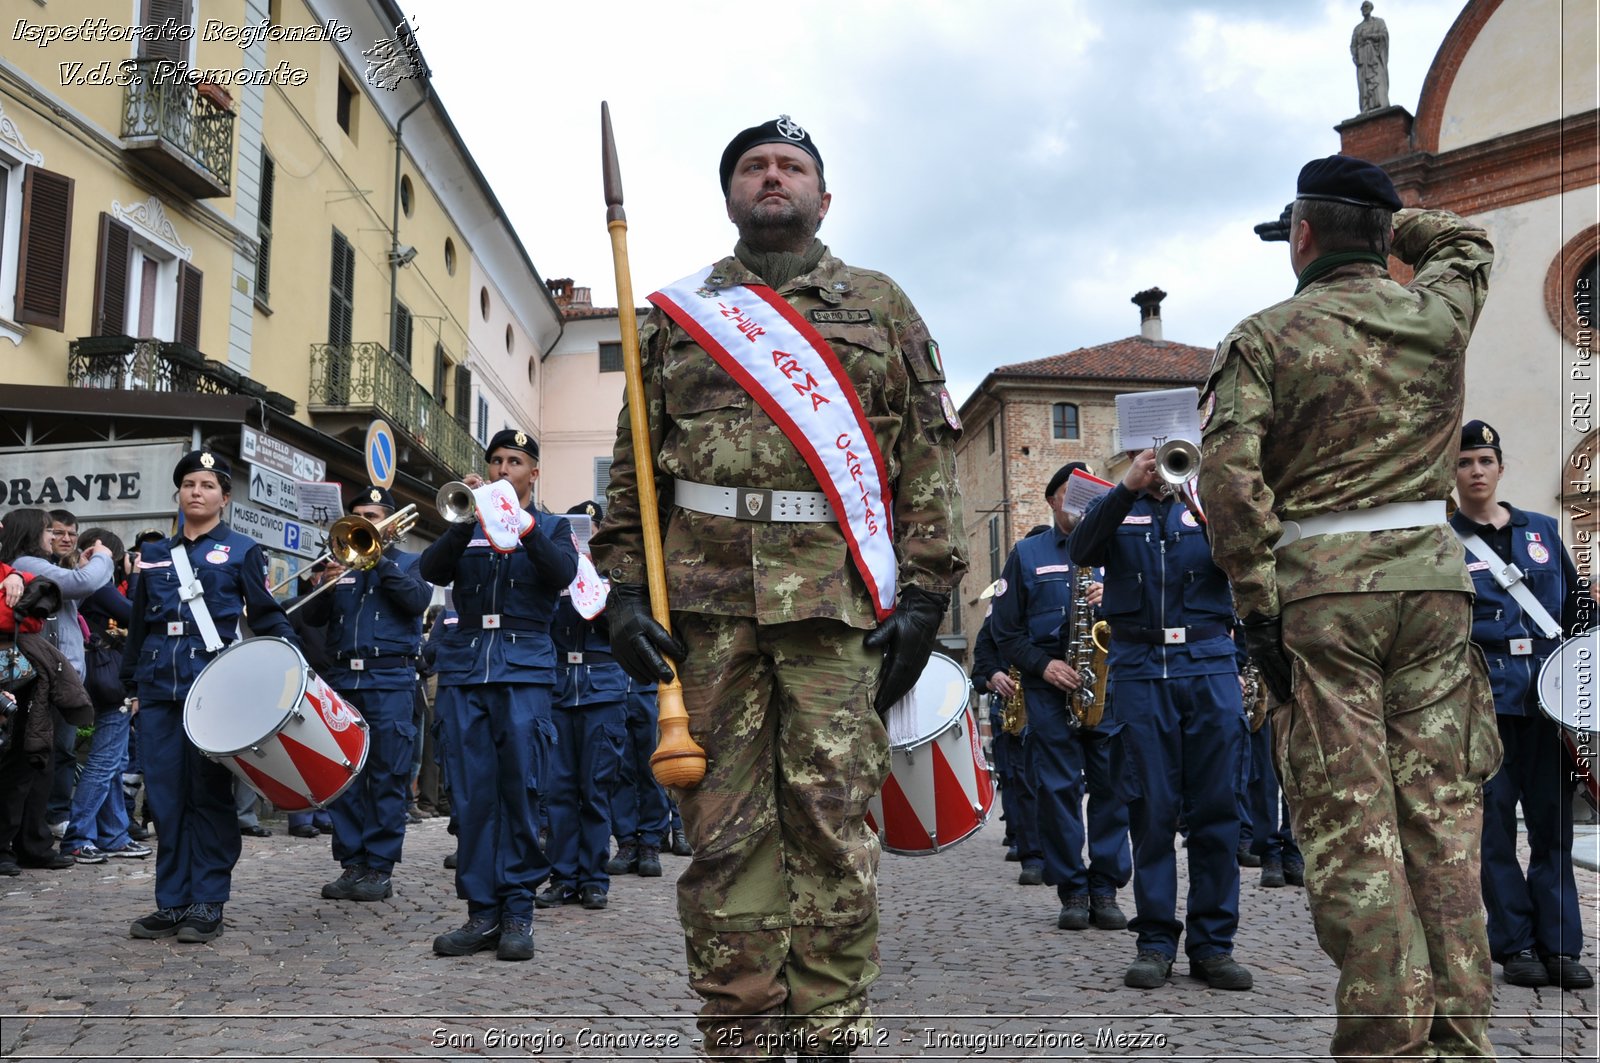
x: 754, y: 503
x: 1391, y: 517
x: 1519, y: 647
x: 491, y: 621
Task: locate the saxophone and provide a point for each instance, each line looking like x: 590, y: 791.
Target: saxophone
x: 1014, y: 710
x: 1087, y: 703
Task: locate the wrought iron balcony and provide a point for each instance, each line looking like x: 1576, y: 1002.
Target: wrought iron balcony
x: 121, y: 363
x: 365, y: 377
x: 178, y: 131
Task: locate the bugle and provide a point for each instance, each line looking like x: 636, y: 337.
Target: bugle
x: 456, y: 503
x: 1178, y: 465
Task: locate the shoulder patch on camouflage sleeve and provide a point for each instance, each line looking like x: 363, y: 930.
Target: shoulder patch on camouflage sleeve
x: 922, y: 355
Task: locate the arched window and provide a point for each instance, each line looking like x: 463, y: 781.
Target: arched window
x: 1064, y: 421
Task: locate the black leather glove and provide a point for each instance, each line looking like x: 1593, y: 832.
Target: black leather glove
x: 907, y: 639
x: 1263, y: 638
x: 637, y: 641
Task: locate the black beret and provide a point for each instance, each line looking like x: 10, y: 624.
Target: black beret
x: 201, y: 461
x: 781, y: 130
x: 1037, y: 529
x: 590, y: 509
x: 515, y: 439
x: 1477, y: 434
x: 372, y: 495
x: 1061, y: 477
x: 1347, y: 179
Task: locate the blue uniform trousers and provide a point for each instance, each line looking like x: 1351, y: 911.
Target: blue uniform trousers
x: 1176, y: 753
x: 1007, y: 754
x: 369, y: 818
x: 583, y: 775
x: 638, y: 803
x: 1063, y: 762
x: 1538, y: 910
x: 191, y: 797
x: 1271, y: 836
x: 496, y: 739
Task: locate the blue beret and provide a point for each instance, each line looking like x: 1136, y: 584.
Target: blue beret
x: 1347, y: 179
x: 1061, y: 477
x: 201, y: 461
x: 372, y: 495
x: 513, y: 439
x: 1476, y: 435
x: 781, y: 130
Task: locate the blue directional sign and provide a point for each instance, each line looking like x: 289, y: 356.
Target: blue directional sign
x: 380, y: 453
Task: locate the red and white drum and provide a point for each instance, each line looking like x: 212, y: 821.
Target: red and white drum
x: 1567, y: 692
x: 939, y: 790
x: 261, y: 712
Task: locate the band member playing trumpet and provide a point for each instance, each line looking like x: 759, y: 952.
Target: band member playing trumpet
x: 803, y: 441
x: 373, y: 618
x: 1175, y: 683
x: 496, y: 669
x: 173, y: 636
x: 1034, y: 612
x: 1535, y: 929
x: 1330, y: 427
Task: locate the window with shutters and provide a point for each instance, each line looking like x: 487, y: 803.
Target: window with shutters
x: 142, y: 289
x: 463, y: 397
x: 441, y: 372
x: 12, y: 169
x: 400, y: 335
x: 602, y: 478
x: 996, y: 555
x: 43, y: 239
x: 341, y: 315
x: 483, y: 420
x: 264, y: 230
x: 611, y: 358
x: 344, y: 107
x: 167, y: 30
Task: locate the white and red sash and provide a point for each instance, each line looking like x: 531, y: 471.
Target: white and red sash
x: 789, y: 369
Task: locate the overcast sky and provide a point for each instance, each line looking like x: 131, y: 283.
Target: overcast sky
x: 1020, y: 167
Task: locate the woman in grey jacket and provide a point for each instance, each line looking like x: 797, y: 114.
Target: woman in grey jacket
x: 26, y: 532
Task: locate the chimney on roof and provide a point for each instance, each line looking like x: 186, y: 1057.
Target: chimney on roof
x: 1149, y: 304
x: 579, y: 300
x: 560, y: 289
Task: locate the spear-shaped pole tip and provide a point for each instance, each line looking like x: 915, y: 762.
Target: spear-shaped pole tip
x: 611, y: 171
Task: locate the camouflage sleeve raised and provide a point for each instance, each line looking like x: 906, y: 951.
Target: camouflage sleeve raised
x: 1452, y: 258
x: 929, y: 537
x: 618, y: 544
x: 1235, y: 413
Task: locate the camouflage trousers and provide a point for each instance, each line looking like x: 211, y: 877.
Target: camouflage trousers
x: 779, y: 905
x: 1383, y: 751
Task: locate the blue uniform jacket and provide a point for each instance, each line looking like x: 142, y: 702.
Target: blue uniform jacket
x: 597, y: 679
x: 986, y: 659
x: 233, y: 571
x: 1158, y: 574
x: 1034, y: 605
x: 1535, y: 548
x: 374, y: 615
x: 520, y: 588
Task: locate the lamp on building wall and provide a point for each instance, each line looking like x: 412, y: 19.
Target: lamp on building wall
x: 402, y: 255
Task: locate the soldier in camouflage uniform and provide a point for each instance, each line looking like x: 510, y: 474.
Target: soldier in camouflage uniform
x: 1330, y: 426
x: 781, y: 650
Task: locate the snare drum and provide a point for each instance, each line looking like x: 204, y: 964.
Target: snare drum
x: 939, y: 790
x: 261, y: 712
x: 1566, y: 685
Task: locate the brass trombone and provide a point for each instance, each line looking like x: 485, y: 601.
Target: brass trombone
x: 456, y: 503
x: 356, y: 542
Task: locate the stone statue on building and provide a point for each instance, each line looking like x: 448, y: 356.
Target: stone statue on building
x: 1369, y: 50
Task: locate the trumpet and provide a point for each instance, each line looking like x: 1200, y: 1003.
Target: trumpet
x: 356, y: 542
x: 1177, y: 462
x: 455, y: 503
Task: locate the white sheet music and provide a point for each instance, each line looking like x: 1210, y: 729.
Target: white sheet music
x: 1146, y: 419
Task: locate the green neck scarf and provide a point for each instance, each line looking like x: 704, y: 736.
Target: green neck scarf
x: 1330, y: 262
x: 778, y: 268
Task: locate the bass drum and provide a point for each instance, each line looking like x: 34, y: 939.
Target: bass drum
x: 939, y: 790
x: 1566, y: 690
x: 260, y: 711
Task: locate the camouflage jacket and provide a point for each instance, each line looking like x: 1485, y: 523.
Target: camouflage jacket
x: 1345, y: 396
x: 705, y: 428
